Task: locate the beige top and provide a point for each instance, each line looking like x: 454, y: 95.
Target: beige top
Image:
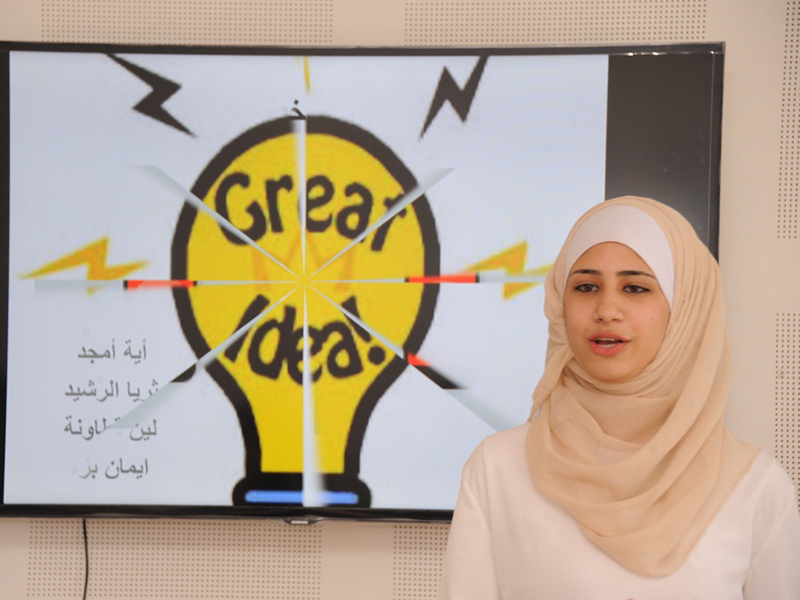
x: 509, y: 541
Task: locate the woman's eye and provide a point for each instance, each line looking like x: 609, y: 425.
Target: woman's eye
x: 635, y: 289
x: 585, y: 288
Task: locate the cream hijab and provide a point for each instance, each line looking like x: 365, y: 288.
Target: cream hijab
x: 642, y: 465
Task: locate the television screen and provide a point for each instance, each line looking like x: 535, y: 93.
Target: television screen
x: 266, y: 281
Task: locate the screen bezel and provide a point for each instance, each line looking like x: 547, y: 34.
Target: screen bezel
x: 636, y: 126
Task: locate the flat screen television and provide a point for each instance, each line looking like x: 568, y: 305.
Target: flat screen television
x: 304, y: 282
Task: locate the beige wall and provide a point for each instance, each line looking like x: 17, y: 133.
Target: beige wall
x: 344, y: 560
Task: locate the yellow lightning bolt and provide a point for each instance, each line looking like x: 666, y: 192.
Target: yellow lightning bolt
x: 94, y: 257
x: 512, y: 261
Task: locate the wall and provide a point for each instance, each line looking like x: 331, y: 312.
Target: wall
x: 759, y: 251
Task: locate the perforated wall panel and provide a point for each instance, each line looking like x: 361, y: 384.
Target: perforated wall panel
x: 141, y: 558
x: 208, y: 22
x: 268, y: 559
x: 787, y: 394
x: 418, y: 555
x: 789, y: 174
x: 56, y: 563
x: 490, y: 22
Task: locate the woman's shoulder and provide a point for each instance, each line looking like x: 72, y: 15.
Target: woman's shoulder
x: 498, y: 459
x: 765, y: 499
x: 763, y: 510
x: 766, y: 482
x: 500, y: 444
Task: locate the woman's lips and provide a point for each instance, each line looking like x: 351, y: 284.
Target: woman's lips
x: 607, y: 344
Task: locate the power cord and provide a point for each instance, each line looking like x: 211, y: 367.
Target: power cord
x: 86, y: 560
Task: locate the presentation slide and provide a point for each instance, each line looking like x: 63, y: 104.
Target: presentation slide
x: 282, y: 280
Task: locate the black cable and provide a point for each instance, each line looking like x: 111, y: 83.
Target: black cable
x: 86, y: 561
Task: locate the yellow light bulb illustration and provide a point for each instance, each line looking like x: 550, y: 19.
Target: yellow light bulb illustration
x: 351, y: 180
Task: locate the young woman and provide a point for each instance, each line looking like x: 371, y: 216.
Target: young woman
x: 625, y: 482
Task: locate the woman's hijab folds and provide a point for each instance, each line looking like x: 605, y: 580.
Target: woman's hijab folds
x: 643, y: 465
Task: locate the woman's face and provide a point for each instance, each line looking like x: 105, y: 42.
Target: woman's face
x: 615, y: 312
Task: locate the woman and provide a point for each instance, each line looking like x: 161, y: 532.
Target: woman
x: 625, y: 483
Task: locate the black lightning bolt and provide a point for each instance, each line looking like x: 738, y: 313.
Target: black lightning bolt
x: 163, y: 89
x: 448, y: 91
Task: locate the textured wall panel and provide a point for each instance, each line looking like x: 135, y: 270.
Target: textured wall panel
x: 418, y: 554
x: 789, y: 174
x: 502, y: 22
x: 56, y: 563
x: 268, y: 559
x: 138, y: 558
x: 787, y: 394
x: 207, y: 22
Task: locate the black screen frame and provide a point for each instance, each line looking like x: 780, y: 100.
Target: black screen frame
x: 646, y: 112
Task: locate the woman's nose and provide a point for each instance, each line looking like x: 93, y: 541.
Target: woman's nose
x: 608, y: 307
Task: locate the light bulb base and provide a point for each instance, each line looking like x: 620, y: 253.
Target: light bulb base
x: 286, y: 489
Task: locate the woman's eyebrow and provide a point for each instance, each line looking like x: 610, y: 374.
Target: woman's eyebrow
x: 634, y: 273
x: 585, y: 272
x: 625, y: 273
